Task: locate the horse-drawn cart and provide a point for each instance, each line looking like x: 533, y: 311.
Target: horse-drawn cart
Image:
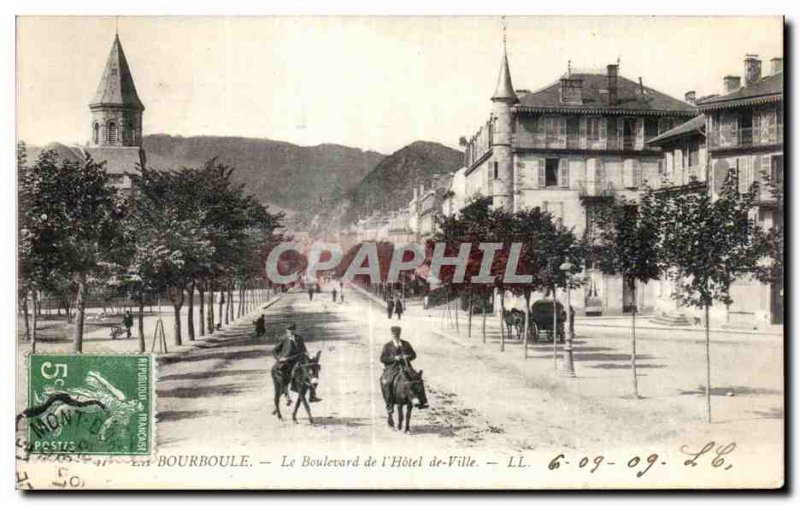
x: 541, y: 325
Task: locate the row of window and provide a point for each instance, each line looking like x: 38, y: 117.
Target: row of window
x: 555, y: 173
x: 591, y: 132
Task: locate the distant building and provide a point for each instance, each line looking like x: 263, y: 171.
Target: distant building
x: 427, y: 205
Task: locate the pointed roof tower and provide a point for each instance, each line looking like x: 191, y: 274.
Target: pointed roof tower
x: 505, y: 90
x: 116, y: 87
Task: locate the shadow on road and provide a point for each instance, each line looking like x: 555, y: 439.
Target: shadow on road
x: 736, y: 390
x: 202, y: 391
x: 350, y: 422
x: 210, y: 375
x: 180, y: 415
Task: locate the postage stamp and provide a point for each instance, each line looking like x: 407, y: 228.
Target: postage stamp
x: 89, y: 404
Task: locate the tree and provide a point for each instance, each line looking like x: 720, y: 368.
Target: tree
x: 72, y: 214
x: 473, y: 225
x: 216, y: 236
x: 708, y: 242
x: 169, y: 244
x: 624, y: 241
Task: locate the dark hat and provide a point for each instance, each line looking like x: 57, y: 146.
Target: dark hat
x: 396, y: 330
x: 291, y: 326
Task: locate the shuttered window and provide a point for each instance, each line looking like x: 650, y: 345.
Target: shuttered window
x: 553, y: 132
x: 563, y: 173
x: 639, y: 126
x: 745, y: 165
x: 584, y: 132
x: 632, y: 173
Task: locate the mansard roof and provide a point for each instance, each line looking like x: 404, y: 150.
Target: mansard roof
x: 594, y: 90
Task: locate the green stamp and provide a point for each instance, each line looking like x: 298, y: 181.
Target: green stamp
x: 89, y: 404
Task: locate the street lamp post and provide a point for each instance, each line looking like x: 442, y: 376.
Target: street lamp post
x: 568, y: 369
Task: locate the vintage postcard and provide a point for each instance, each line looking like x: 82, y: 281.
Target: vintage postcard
x: 469, y: 253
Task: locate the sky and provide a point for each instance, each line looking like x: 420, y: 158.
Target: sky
x: 375, y: 83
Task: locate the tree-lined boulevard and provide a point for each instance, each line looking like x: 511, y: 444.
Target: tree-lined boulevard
x: 481, y: 399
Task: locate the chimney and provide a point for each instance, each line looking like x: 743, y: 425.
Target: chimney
x: 731, y: 83
x: 752, y: 69
x: 612, y: 71
x: 570, y: 91
x: 691, y: 97
x: 776, y: 66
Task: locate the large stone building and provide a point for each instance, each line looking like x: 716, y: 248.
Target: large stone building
x: 739, y: 132
x: 568, y: 146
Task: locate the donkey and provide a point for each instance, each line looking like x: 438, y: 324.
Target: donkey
x: 409, y: 392
x: 304, y: 376
x: 514, y: 320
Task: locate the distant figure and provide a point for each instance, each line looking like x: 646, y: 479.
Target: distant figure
x: 398, y: 308
x: 333, y: 294
x: 390, y: 308
x: 260, y: 326
x: 127, y: 321
x: 310, y: 292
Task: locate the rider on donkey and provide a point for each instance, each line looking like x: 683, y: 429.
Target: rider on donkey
x: 288, y: 352
x: 397, y: 354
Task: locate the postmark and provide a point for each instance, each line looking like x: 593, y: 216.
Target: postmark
x: 89, y: 404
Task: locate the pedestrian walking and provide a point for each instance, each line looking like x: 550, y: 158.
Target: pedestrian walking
x: 398, y: 307
x: 333, y: 294
x: 310, y: 292
x: 390, y: 308
x: 127, y: 321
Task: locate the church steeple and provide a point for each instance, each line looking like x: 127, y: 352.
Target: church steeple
x: 505, y: 90
x: 116, y: 107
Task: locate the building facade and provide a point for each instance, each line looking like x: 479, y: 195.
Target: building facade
x: 739, y: 133
x: 569, y: 146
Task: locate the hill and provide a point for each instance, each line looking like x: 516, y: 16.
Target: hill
x: 390, y: 185
x: 297, y: 179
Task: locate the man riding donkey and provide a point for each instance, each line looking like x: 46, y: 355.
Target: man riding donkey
x: 289, y: 351
x: 401, y: 385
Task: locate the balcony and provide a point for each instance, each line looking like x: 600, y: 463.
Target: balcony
x: 596, y: 190
x: 746, y: 137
